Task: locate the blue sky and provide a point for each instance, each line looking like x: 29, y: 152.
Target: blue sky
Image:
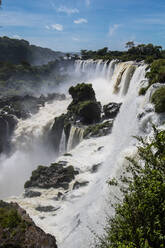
x: 72, y: 25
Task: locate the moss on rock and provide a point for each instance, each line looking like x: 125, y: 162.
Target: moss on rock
x: 158, y: 99
x: 98, y: 130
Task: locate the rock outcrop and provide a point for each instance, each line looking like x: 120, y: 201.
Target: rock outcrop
x: 17, y: 230
x: 111, y: 110
x: 84, y: 107
x: 83, y: 110
x: 55, y: 176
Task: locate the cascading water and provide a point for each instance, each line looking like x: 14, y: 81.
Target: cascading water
x: 75, y: 137
x: 83, y: 209
x: 31, y: 149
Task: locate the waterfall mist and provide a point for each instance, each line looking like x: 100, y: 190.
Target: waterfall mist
x: 82, y: 209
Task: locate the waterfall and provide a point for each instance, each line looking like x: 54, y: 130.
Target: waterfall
x: 30, y: 148
x: 62, y: 143
x: 83, y: 209
x: 75, y: 137
x: 95, y: 68
x: 110, y: 69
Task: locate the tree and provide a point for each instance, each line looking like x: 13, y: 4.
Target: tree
x: 129, y: 44
x: 139, y: 221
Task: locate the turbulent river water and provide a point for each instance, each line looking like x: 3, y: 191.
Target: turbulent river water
x: 83, y: 210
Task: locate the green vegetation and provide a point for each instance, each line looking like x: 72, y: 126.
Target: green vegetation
x: 140, y: 52
x: 15, y: 51
x: 98, y: 130
x: 139, y: 221
x: 156, y: 74
x: 84, y: 106
x: 158, y: 98
x: 11, y: 220
x: 23, y: 78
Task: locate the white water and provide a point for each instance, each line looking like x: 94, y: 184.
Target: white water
x: 85, y: 208
x: 31, y: 149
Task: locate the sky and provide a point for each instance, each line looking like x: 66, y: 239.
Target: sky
x: 72, y: 25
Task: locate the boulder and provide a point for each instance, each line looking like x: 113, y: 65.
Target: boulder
x: 55, y: 176
x: 111, y: 110
x: 18, y: 230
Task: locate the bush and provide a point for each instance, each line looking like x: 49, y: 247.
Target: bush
x: 158, y: 99
x: 139, y: 222
x: 157, y: 72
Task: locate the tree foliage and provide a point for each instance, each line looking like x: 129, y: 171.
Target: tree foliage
x: 139, y: 222
x: 147, y: 52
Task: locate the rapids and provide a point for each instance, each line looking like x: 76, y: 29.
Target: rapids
x: 81, y: 211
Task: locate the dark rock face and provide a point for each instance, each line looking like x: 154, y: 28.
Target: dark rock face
x: 84, y: 107
x: 7, y: 125
x: 18, y: 230
x: 54, y: 176
x: 31, y: 194
x: 111, y: 110
x: 56, y: 132
x: 89, y: 112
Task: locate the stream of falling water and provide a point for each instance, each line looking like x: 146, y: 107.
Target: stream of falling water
x: 85, y: 208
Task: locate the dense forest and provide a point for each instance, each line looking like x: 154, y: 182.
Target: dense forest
x: 17, y: 51
x: 147, y: 52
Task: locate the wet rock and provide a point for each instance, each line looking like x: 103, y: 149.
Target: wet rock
x: 95, y: 167
x: 68, y: 155
x: 56, y: 132
x: 46, y: 208
x: 100, y: 148
x: 18, y: 230
x: 55, y: 176
x: 31, y: 194
x: 84, y: 107
x: 111, y: 110
x: 77, y: 184
x: 98, y: 130
x: 7, y: 126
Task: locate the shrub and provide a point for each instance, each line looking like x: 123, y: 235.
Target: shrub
x: 157, y: 72
x: 139, y: 222
x: 158, y: 99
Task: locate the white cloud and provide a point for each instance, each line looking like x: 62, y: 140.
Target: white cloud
x: 68, y: 11
x: 81, y: 20
x: 57, y: 27
x: 113, y: 29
